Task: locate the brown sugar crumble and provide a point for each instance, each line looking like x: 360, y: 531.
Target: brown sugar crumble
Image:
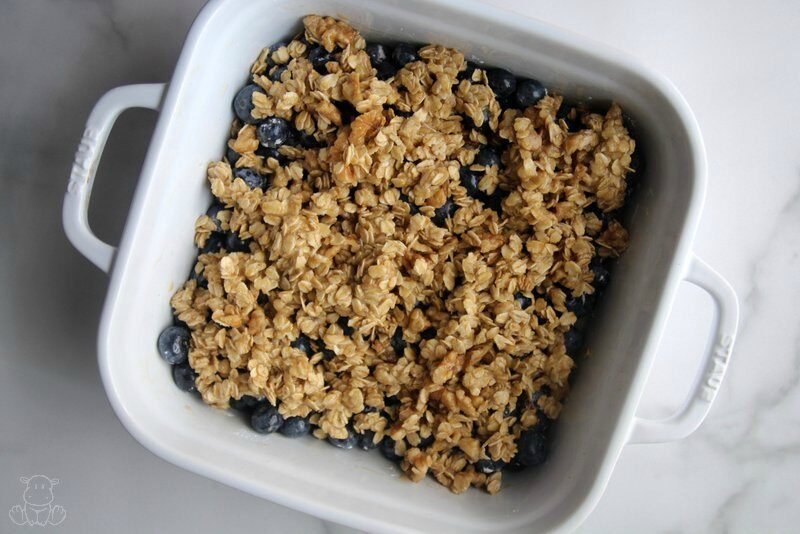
x: 371, y: 287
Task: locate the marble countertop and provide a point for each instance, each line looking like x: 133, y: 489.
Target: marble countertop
x: 739, y: 69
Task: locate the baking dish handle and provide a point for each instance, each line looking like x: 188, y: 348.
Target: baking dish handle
x: 75, y: 213
x: 715, y: 362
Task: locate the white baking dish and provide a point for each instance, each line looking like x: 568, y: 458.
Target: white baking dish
x: 361, y: 489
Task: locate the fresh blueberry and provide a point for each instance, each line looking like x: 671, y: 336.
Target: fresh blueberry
x: 345, y: 443
x: 266, y: 419
x: 426, y: 442
x: 173, y: 344
x: 184, y: 377
x: 469, y: 180
x: 529, y: 92
x: 580, y: 306
x: 532, y: 448
x: 404, y: 53
x: 428, y: 333
x: 522, y: 300
x: 327, y: 354
x: 489, y: 466
x: 319, y: 58
x: 199, y: 278
x: 397, y: 342
x: 294, y: 427
x: 601, y: 274
x: 212, y: 212
x: 303, y: 343
x: 243, y: 103
x: 502, y: 82
x: 388, y: 451
x: 276, y: 72
x: 444, y: 211
x: 232, y: 156
x: 273, y: 132
x: 365, y: 440
x: 487, y: 157
x: 377, y: 53
x: 267, y: 153
x: 573, y: 125
x: 386, y: 70
x: 391, y: 400
x: 347, y: 111
x: 495, y: 201
x: 233, y: 243
x: 466, y: 74
x: 245, y: 403
x: 306, y: 140
x: 251, y: 178
x: 213, y: 243
x: 346, y: 329
x: 573, y: 341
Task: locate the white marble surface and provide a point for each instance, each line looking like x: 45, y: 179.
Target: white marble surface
x: 739, y: 68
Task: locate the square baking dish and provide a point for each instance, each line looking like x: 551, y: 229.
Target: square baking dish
x: 350, y: 487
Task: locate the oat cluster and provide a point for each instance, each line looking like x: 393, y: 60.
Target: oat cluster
x: 336, y: 254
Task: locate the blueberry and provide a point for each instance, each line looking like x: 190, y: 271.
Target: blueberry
x: 580, y: 306
x: 327, y: 354
x: 388, y: 451
x: 502, y: 82
x: 251, y: 178
x: 347, y: 111
x: 487, y: 157
x: 573, y: 125
x: 267, y: 153
x: 276, y: 72
x: 273, y: 132
x: 173, y: 344
x: 488, y: 467
x: 522, y: 300
x: 391, y: 400
x: 345, y: 443
x: 428, y: 333
x: 306, y: 140
x: 232, y: 156
x: 601, y: 274
x: 266, y: 419
x: 243, y: 103
x: 199, y: 278
x: 573, y: 341
x: 469, y: 180
x: 386, y: 70
x: 529, y: 92
x: 469, y: 68
x: 213, y: 243
x: 397, y: 342
x: 495, y: 201
x: 346, y: 329
x: 365, y: 440
x: 404, y: 53
x: 444, y: 211
x: 184, y: 377
x: 245, y: 403
x: 303, y: 343
x: 212, y: 212
x: 532, y: 448
x: 319, y: 58
x: 233, y: 243
x: 426, y: 442
x: 294, y: 427
x: 377, y: 53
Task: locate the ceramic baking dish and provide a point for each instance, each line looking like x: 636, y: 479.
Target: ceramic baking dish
x: 350, y: 487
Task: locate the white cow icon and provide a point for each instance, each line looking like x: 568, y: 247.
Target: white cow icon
x: 38, y: 508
